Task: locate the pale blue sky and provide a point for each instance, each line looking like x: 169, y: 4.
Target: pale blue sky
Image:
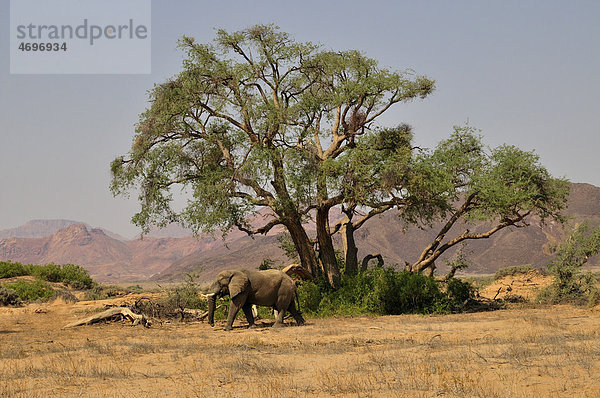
x: 525, y: 72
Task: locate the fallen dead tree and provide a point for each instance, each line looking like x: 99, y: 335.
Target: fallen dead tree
x: 113, y: 314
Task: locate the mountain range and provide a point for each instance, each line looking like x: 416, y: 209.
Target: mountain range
x: 168, y: 254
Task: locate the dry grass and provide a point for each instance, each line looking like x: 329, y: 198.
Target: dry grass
x: 535, y: 352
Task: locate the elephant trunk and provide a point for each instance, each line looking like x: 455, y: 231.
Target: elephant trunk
x: 212, y: 298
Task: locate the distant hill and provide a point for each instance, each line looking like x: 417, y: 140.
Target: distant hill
x: 158, y: 256
x: 44, y: 228
x: 107, y: 258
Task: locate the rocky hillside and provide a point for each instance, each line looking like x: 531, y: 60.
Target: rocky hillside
x: 107, y: 258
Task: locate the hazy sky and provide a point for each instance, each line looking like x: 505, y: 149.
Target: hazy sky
x: 525, y: 72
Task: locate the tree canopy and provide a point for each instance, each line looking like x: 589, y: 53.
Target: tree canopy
x: 256, y: 120
x: 463, y: 180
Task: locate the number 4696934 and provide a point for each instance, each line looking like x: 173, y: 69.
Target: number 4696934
x: 43, y: 46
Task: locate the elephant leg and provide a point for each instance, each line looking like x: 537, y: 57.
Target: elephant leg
x: 279, y: 318
x: 237, y: 302
x: 249, y: 312
x: 295, y: 313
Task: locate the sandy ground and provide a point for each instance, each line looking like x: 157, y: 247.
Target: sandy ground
x: 522, y: 352
x: 525, y: 286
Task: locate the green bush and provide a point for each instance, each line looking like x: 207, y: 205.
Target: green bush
x: 458, y: 294
x: 8, y: 296
x: 31, y: 290
x: 73, y: 275
x: 384, y: 292
x: 9, y: 269
x: 309, y: 297
x: 405, y: 292
x: 570, y: 285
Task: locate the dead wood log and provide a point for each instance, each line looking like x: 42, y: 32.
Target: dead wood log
x: 122, y: 312
x: 299, y: 271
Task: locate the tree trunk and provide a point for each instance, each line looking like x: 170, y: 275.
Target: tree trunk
x: 369, y: 257
x: 211, y: 309
x: 349, y: 246
x: 306, y: 252
x: 290, y: 217
x: 326, y: 250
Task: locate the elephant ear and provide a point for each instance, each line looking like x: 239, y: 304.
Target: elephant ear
x: 238, y: 283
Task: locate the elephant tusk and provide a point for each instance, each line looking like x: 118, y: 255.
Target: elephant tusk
x: 207, y: 295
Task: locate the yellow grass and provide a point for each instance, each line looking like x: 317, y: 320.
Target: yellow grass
x: 535, y: 352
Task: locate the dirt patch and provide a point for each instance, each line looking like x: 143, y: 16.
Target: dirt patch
x: 525, y: 286
x: 519, y: 352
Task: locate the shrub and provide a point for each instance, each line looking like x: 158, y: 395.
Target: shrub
x: 309, y: 297
x: 458, y: 294
x: 31, y: 290
x: 513, y: 270
x: 76, y: 276
x: 9, y: 269
x: 406, y: 292
x: 73, y: 275
x: 385, y: 292
x: 180, y: 297
x: 8, y: 297
x: 569, y: 285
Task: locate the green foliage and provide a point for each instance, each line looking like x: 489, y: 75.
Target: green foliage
x: 569, y: 284
x: 9, y: 269
x: 512, y: 270
x: 287, y: 245
x: 458, y: 295
x: 73, y: 275
x: 310, y: 295
x: 384, y: 291
x: 503, y: 184
x: 8, y: 296
x: 463, y: 181
x: 31, y: 290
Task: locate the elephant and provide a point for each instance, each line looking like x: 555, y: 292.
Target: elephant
x: 269, y: 288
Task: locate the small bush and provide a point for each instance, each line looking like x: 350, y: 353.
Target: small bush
x: 458, y: 295
x: 8, y: 297
x: 513, y: 270
x: 9, y: 269
x: 405, y: 293
x: 31, y: 290
x: 183, y: 296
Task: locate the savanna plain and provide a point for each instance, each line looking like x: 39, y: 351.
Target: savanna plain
x: 526, y: 351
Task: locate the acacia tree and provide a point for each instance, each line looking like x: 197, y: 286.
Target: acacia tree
x: 252, y: 122
x: 373, y: 177
x: 461, y: 182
